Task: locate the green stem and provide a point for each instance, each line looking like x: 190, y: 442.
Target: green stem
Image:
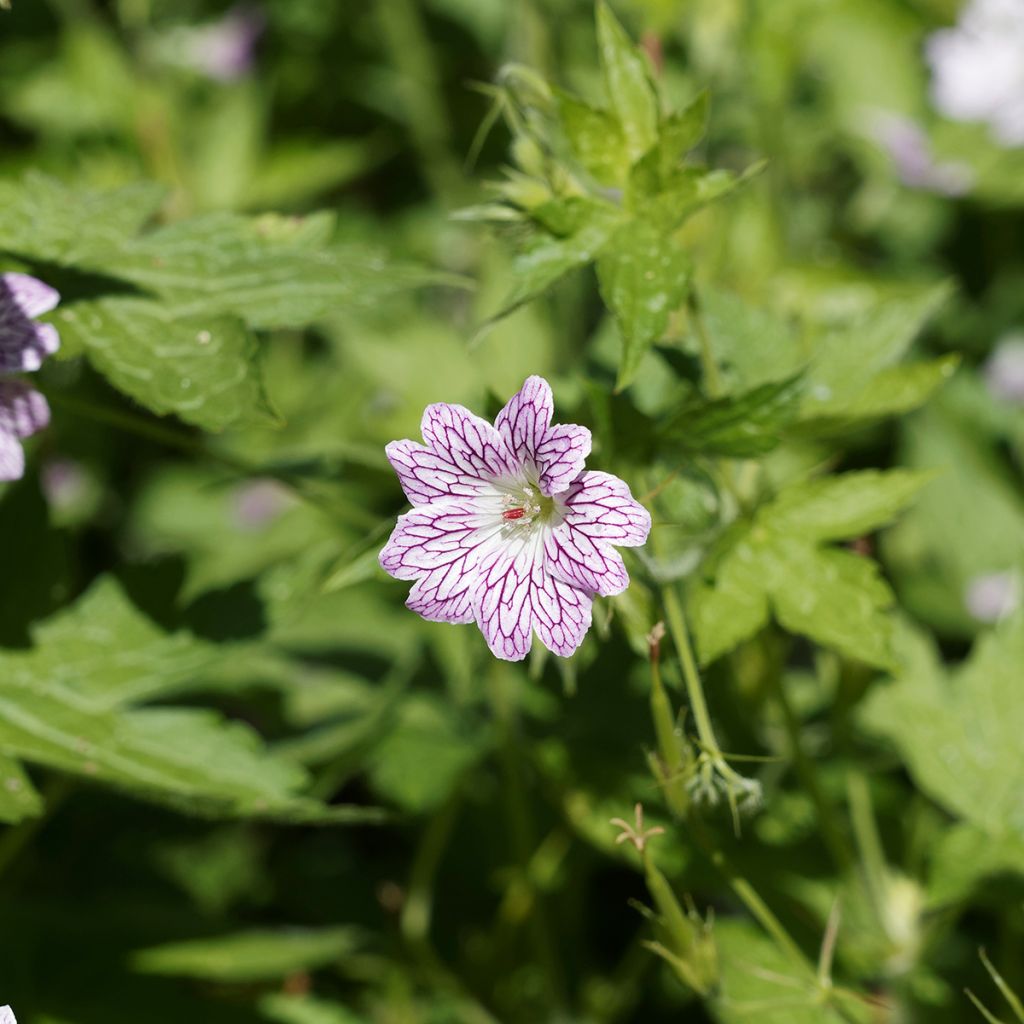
x: 712, y: 374
x: 875, y: 868
x: 672, y: 768
x: 830, y: 830
x: 694, y: 689
x: 409, y: 49
x: 523, y: 839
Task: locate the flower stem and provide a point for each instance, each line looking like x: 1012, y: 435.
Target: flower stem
x: 712, y: 375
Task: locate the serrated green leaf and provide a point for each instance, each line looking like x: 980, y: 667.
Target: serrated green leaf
x: 831, y: 508
x: 960, y: 734
x: 643, y: 276
x: 585, y: 227
x: 19, y: 799
x: 681, y: 131
x: 836, y: 598
x: 738, y: 426
x: 595, y: 138
x: 249, y: 956
x: 44, y: 219
x: 265, y: 270
x: 776, y: 561
x: 104, y: 650
x: 204, y: 369
x: 628, y: 81
x: 849, y: 357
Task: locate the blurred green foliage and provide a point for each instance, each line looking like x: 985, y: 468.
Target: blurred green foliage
x: 239, y: 781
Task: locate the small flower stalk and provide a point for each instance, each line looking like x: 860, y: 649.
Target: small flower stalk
x: 24, y: 344
x: 508, y: 530
x: 683, y: 939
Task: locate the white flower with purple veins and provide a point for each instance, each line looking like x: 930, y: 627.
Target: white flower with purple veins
x: 978, y: 68
x: 7, y: 1015
x: 24, y: 344
x: 508, y: 530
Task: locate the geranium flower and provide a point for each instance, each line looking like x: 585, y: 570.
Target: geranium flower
x: 7, y: 1015
x: 508, y: 531
x: 978, y: 68
x: 24, y: 344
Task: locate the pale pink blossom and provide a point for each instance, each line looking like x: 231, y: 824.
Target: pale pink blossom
x: 508, y: 530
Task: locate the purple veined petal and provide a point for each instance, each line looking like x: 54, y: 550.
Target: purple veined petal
x: 583, y: 562
x: 562, y: 614
x: 23, y: 412
x: 602, y: 507
x: 427, y: 476
x: 24, y: 344
x: 470, y: 443
x: 501, y: 599
x: 557, y: 454
x: 438, y: 546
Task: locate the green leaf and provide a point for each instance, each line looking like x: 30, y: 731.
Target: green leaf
x: 204, y: 369
x: 738, y: 426
x: 44, y: 219
x: 261, y: 955
x: 681, y: 131
x: 286, y: 1009
x: 834, y: 507
x: 628, y: 81
x: 19, y: 799
x: 966, y: 856
x: 584, y: 228
x: 103, y: 649
x: 777, y: 562
x: 643, y: 276
x: 270, y: 271
x: 960, y: 733
x: 759, y: 982
x: 595, y: 138
x: 422, y: 757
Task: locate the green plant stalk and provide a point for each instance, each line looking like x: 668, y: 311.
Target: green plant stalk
x: 712, y: 374
x: 874, y: 868
x: 521, y: 831
x: 409, y: 49
x: 672, y: 763
x: 830, y: 830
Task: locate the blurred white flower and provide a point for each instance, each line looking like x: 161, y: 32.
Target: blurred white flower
x: 909, y: 149
x: 978, y: 68
x: 223, y: 50
x: 992, y: 596
x: 7, y: 1015
x: 1004, y: 369
x: 258, y: 503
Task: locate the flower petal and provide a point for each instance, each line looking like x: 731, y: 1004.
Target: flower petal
x: 23, y: 411
x: 561, y: 613
x: 558, y: 453
x: 438, y: 546
x: 24, y: 343
x: 501, y: 599
x: 581, y: 561
x: 601, y: 507
x: 470, y: 443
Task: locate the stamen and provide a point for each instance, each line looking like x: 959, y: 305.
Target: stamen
x: 514, y: 513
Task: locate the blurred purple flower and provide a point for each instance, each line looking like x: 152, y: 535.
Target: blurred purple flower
x: 64, y: 483
x: 224, y: 50
x: 992, y: 596
x: 910, y: 151
x: 24, y: 344
x: 259, y: 502
x: 508, y: 530
x: 978, y: 68
x: 1004, y: 369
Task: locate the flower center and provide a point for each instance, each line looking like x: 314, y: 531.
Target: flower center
x: 524, y: 505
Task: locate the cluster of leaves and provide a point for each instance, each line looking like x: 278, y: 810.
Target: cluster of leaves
x: 200, y: 659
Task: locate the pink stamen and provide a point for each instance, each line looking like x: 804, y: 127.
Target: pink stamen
x: 514, y: 513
